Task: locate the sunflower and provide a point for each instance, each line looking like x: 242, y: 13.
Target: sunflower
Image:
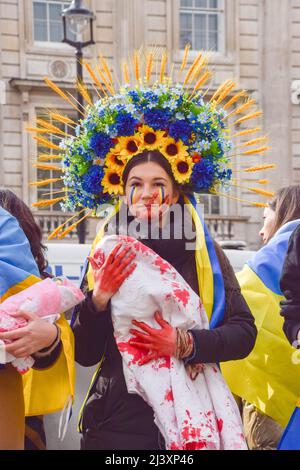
x: 173, y: 150
x: 115, y: 162
x: 112, y: 182
x: 182, y: 169
x: 152, y: 139
x: 128, y: 146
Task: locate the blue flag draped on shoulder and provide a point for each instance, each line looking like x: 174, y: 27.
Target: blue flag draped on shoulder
x: 18, y: 269
x: 45, y: 391
x: 269, y: 378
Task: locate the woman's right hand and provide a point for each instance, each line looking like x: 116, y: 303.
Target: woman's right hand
x: 109, y: 277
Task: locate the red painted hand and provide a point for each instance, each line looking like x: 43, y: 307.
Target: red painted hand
x: 159, y: 342
x: 109, y: 277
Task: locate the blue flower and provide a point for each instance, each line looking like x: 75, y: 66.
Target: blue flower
x: 203, y: 175
x: 125, y: 124
x: 157, y: 118
x: 91, y: 182
x: 180, y: 130
x: 101, y: 143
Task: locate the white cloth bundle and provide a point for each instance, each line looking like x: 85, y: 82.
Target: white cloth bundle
x: 191, y: 414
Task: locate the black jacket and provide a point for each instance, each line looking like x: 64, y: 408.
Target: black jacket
x: 290, y: 286
x: 114, y: 419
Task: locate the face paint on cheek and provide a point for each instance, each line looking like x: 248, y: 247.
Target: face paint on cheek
x: 133, y: 195
x: 161, y: 195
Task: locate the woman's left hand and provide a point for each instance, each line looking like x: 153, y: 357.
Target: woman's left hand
x: 159, y: 342
x: 36, y: 335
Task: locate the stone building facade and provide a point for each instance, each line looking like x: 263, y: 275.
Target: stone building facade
x: 255, y: 41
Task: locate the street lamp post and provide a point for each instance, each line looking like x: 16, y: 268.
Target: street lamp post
x: 76, y: 18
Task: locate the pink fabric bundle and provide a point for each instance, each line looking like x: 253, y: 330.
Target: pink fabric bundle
x: 47, y: 299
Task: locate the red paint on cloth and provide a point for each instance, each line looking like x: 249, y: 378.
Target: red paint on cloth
x: 163, y: 265
x: 169, y: 395
x: 220, y: 424
x: 137, y: 354
x: 164, y: 362
x: 183, y: 295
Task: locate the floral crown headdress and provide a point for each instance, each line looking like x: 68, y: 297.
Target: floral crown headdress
x: 196, y: 135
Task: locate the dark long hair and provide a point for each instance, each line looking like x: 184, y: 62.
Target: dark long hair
x: 16, y: 207
x: 286, y: 205
x: 149, y: 156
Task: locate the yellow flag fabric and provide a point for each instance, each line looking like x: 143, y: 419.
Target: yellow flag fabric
x: 269, y: 377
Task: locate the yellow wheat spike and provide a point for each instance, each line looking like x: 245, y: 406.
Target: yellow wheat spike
x: 84, y: 93
x: 38, y: 130
x: 73, y: 226
x: 103, y: 78
x: 106, y: 70
x: 125, y: 69
x: 43, y: 166
x: 60, y: 118
x: 48, y: 125
x: 44, y: 157
x: 225, y: 93
x: 149, y: 66
x: 246, y: 132
x: 259, y: 140
x: 192, y: 68
x: 203, y: 79
x: 60, y: 93
x: 44, y: 182
x: 235, y: 98
x: 136, y: 63
x: 241, y: 109
x: 262, y: 192
x: 48, y: 202
x: 185, y: 58
x: 253, y: 169
x: 248, y: 117
x: 263, y: 182
x: 256, y: 204
x: 95, y: 78
x: 221, y: 88
x: 61, y: 226
x: 201, y: 65
x: 163, y: 65
x: 46, y: 143
x: 256, y: 151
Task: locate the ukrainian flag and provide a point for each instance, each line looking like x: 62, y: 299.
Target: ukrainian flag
x: 45, y: 391
x: 17, y: 266
x: 269, y: 378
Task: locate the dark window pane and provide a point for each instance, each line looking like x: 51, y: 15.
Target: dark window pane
x: 186, y: 3
x: 213, y: 4
x: 213, y: 41
x: 55, y: 31
x: 201, y: 3
x: 39, y: 11
x: 215, y: 205
x: 185, y: 38
x: 40, y: 30
x: 186, y: 21
x: 213, y: 22
x: 54, y: 11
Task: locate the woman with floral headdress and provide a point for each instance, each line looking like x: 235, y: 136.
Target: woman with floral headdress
x: 148, y: 149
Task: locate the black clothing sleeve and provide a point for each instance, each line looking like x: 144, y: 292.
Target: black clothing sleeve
x: 290, y: 287
x: 47, y: 361
x: 91, y: 331
x: 235, y: 337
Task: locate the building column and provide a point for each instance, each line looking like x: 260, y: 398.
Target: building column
x: 276, y: 84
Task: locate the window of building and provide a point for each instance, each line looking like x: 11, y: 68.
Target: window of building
x: 47, y: 22
x: 211, y: 204
x: 54, y: 187
x: 201, y: 24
